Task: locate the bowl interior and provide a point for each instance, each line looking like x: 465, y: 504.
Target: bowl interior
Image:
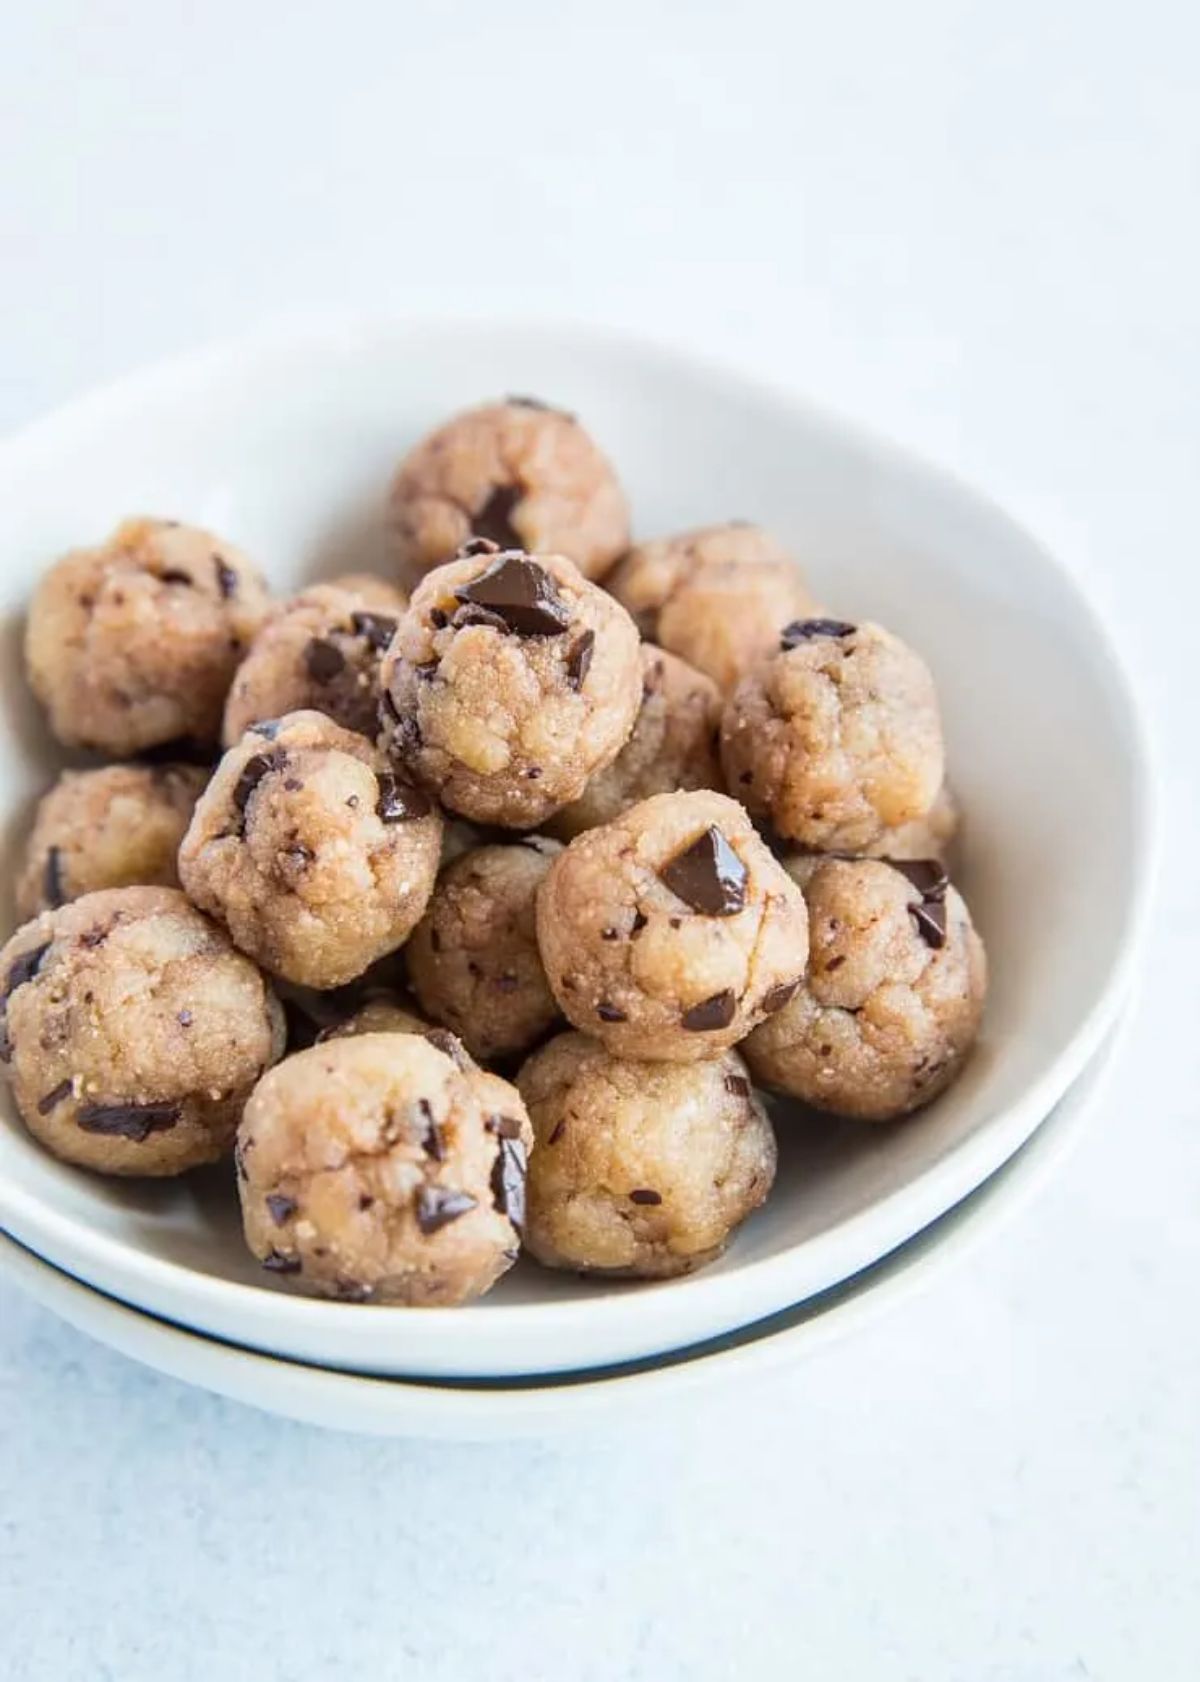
x: 284, y: 445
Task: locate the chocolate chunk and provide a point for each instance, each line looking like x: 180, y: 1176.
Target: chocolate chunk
x: 25, y: 967
x: 427, y: 670
x: 428, y: 1131
x: 94, y: 937
x: 276, y: 1262
x: 610, y: 933
x: 737, y: 1086
x: 558, y: 1130
x: 377, y: 628
x: 52, y: 878
x: 928, y: 876
x: 450, y: 1045
x: 280, y: 1208
x: 506, y: 1126
x: 471, y: 613
x: 776, y: 997
x: 643, y: 1194
x: 128, y: 1121
x: 366, y: 1201
x: 438, y: 619
x: 715, y: 1012
x: 610, y: 1013
x: 579, y: 659
x: 293, y: 785
x: 400, y: 801
x: 406, y: 730
x: 930, y: 918
x: 835, y: 962
x: 437, y: 1206
x: 639, y: 922
x: 508, y: 1181
x: 494, y: 519
x: 184, y: 1018
x: 323, y: 660
x: 227, y: 579
x: 528, y: 403
x: 807, y: 630
x: 479, y: 546
x: 52, y: 1099
x: 708, y: 876
x: 268, y: 727
x: 175, y: 575
x: 253, y: 771
x: 522, y: 593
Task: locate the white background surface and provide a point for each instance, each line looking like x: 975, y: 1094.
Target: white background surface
x: 973, y: 226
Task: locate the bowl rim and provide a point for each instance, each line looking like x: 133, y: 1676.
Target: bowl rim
x: 896, y: 1216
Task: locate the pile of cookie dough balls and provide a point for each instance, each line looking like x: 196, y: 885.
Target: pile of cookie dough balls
x: 557, y: 851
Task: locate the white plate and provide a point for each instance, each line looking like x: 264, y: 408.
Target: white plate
x: 397, y: 1407
x: 284, y: 443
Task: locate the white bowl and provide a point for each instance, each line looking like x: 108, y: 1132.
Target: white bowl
x: 283, y: 443
x: 400, y: 1408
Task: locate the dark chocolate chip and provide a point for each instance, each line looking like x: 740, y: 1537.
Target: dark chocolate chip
x: 805, y: 630
x: 25, y: 968
x: 610, y: 933
x: 737, y: 1086
x: 323, y: 660
x: 280, y: 1208
x: 52, y: 1099
x: 643, y: 1194
x: 533, y: 773
x: 377, y: 628
x: 930, y: 918
x: 508, y: 1181
x: 639, y: 922
x: 506, y: 1126
x: 175, y: 575
x: 428, y: 1131
x: 746, y: 778
x: 522, y: 593
x: 128, y: 1121
x: 427, y: 670
x: 276, y: 1262
x: 928, y: 876
x: 708, y: 875
x: 268, y: 727
x: 437, y: 1206
x: 400, y: 801
x: 438, y: 619
x: 579, y: 659
x: 52, y: 878
x: 253, y: 771
x: 293, y: 785
x: 479, y: 546
x: 835, y: 962
x: 507, y: 983
x: 406, y: 730
x: 527, y: 403
x: 94, y: 937
x: 610, y: 1013
x: 715, y: 1012
x: 470, y: 613
x: 227, y: 579
x: 184, y: 1018
x: 494, y: 519
x: 366, y: 1201
x: 558, y: 1131
x: 449, y: 1044
x: 776, y: 997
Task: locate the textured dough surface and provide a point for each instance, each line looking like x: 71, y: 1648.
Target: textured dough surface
x: 718, y: 596
x: 116, y: 827
x: 134, y: 644
x: 835, y: 740
x: 640, y: 1169
x: 374, y: 1168
x: 633, y: 964
x: 884, y: 1020
x: 504, y: 727
x: 290, y: 848
x: 321, y: 650
x: 133, y: 1032
x: 522, y: 474
x: 473, y: 959
x: 673, y: 746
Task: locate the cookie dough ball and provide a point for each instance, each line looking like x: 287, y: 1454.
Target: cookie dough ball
x: 132, y: 1032
x: 322, y: 651
x: 134, y: 644
x: 520, y: 473
x: 671, y: 932
x: 473, y: 958
x: 837, y: 738
x: 374, y: 1168
x: 893, y: 996
x: 673, y: 746
x: 718, y: 597
x: 510, y: 682
x: 640, y: 1169
x: 116, y: 827
x: 317, y: 858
